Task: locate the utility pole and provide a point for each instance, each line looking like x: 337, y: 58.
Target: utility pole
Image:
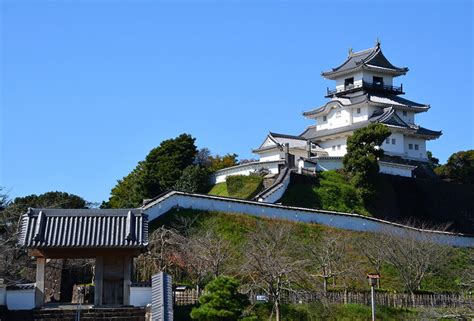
x: 373, y: 281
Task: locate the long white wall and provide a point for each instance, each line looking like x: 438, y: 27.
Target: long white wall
x: 346, y: 221
x: 245, y: 169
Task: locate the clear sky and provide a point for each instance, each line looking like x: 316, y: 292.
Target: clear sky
x: 89, y: 87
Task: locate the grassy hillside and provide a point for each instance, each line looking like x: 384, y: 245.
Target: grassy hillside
x: 219, y: 189
x: 235, y: 227
x: 331, y: 191
x: 239, y: 186
x: 397, y: 199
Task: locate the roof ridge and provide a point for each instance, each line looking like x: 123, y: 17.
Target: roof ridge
x: 286, y: 136
x: 362, y: 51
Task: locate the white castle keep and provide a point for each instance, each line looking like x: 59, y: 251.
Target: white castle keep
x: 365, y: 93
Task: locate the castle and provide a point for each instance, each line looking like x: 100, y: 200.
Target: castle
x: 364, y: 93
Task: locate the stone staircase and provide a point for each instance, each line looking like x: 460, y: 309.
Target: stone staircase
x: 91, y: 314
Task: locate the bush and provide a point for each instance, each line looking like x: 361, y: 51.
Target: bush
x: 220, y: 301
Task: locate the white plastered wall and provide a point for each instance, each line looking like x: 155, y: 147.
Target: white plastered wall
x: 340, y: 146
x: 395, y: 170
x: 398, y: 148
x: 413, y: 153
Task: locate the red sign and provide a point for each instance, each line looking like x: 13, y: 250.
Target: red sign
x: 373, y: 276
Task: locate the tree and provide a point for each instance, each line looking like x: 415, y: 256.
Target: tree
x: 433, y: 161
x: 272, y: 264
x: 459, y: 168
x: 203, y: 157
x: 193, y: 180
x: 363, y: 153
x: 15, y: 265
x: 414, y: 253
x: 221, y: 301
x: 161, y: 169
x: 164, y: 165
x: 220, y: 162
x: 212, y: 250
x: 368, y: 245
x: 163, y: 253
x: 328, y: 257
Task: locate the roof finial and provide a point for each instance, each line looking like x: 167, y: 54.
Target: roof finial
x: 350, y: 51
x: 377, y: 42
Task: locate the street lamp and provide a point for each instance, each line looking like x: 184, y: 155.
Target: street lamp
x: 372, y: 282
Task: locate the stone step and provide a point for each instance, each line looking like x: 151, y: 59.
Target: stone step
x: 95, y: 314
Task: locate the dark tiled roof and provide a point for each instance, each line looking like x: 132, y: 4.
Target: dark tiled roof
x: 84, y: 228
x: 428, y: 132
x: 369, y: 58
x: 287, y: 136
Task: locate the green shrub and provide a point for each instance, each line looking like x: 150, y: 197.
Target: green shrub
x: 220, y: 301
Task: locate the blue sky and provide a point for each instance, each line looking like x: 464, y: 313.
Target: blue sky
x: 89, y: 87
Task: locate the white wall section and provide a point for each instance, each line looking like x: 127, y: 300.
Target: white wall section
x: 347, y: 221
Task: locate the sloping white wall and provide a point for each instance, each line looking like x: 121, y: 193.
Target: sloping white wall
x: 340, y: 220
x: 245, y: 169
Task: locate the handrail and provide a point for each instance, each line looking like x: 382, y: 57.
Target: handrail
x: 366, y: 85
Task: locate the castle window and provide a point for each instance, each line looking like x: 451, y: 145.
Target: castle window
x: 416, y: 147
x: 358, y: 110
x: 338, y: 114
x: 333, y: 147
x: 378, y: 81
x: 338, y: 147
x: 349, y: 83
x: 405, y: 113
x: 325, y: 118
x: 410, y: 146
x: 387, y: 141
x: 394, y: 141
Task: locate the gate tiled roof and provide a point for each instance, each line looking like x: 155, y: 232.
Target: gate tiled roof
x: 84, y: 228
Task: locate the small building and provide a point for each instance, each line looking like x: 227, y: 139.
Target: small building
x: 364, y: 93
x: 113, y: 237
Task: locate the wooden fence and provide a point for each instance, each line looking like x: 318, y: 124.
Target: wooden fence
x: 191, y: 296
x: 382, y: 298
x: 186, y: 297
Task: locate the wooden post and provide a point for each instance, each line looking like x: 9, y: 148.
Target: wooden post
x: 127, y: 273
x: 98, y: 280
x: 39, y: 289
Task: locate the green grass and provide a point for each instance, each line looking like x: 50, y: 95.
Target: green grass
x: 235, y: 227
x: 330, y: 191
x: 219, y: 189
x: 317, y: 311
x: 238, y: 186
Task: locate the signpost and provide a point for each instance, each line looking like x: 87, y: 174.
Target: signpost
x: 373, y: 281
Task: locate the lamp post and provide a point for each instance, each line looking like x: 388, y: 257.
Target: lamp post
x: 373, y: 281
